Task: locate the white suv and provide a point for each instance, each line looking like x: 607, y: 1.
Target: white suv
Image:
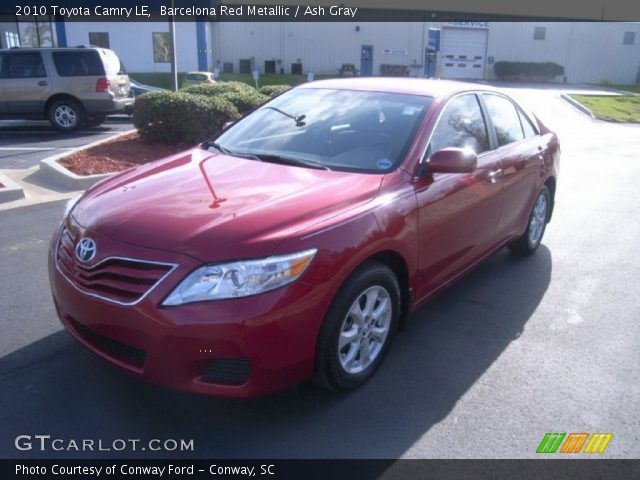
x: 71, y: 87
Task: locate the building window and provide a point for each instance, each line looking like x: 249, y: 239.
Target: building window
x: 161, y: 47
x: 11, y: 39
x: 36, y: 33
x: 539, y: 33
x: 99, y: 39
x: 629, y: 38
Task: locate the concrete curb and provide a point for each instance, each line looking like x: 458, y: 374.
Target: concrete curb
x: 577, y: 105
x: 61, y: 177
x: 11, y: 190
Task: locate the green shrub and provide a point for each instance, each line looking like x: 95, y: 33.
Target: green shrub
x: 527, y: 70
x: 243, y: 96
x: 175, y: 118
x: 212, y: 89
x: 274, y: 90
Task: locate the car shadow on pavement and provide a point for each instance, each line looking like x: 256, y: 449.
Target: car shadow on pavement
x: 55, y: 387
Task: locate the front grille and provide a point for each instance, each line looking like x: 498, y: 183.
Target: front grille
x: 120, y: 280
x: 126, y: 353
x: 230, y: 371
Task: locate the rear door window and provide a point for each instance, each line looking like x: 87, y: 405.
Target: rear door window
x: 23, y: 65
x: 505, y: 118
x: 78, y: 64
x: 461, y: 125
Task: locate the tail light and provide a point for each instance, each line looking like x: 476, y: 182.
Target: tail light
x: 103, y: 85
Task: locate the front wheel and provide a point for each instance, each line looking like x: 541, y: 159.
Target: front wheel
x: 530, y: 240
x: 358, y: 328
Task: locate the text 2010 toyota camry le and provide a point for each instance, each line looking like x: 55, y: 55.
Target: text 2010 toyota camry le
x: 294, y: 244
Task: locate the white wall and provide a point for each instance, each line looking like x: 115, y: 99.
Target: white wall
x: 133, y: 42
x: 322, y: 47
x: 590, y: 52
x: 598, y: 55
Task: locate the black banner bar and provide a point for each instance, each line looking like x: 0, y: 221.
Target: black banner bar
x: 322, y: 469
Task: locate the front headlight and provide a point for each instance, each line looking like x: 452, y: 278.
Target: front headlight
x: 70, y: 204
x: 240, y: 279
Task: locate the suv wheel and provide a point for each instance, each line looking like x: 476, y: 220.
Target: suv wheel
x: 66, y: 115
x: 358, y: 328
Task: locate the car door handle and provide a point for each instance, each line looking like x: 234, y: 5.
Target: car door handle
x: 494, y: 175
x: 42, y: 83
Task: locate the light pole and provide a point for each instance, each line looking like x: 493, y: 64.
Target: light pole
x: 174, y: 60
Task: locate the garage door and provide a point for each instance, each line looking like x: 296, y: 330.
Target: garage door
x: 462, y: 54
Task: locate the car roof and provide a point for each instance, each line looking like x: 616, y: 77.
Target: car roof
x: 413, y: 86
x: 51, y: 49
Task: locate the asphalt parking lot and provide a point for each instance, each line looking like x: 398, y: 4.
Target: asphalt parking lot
x: 518, y: 348
x: 24, y: 143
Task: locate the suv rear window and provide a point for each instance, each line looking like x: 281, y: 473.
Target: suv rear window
x: 78, y: 64
x: 113, y: 64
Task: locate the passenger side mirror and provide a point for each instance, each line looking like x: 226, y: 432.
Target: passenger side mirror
x: 453, y: 160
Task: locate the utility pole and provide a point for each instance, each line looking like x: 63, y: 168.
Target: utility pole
x: 174, y: 60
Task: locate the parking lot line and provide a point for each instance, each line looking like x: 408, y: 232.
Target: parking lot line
x: 36, y: 149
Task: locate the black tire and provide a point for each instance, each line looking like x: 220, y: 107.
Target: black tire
x: 526, y: 245
x: 95, y: 120
x: 75, y: 116
x: 330, y: 373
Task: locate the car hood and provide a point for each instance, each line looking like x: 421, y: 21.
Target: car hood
x: 216, y: 207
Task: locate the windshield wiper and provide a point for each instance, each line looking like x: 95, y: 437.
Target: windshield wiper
x: 270, y: 157
x: 209, y: 144
x: 298, y: 119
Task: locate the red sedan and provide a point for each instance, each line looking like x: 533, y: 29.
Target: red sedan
x: 297, y: 242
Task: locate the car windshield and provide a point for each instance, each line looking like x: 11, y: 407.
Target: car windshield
x: 350, y: 130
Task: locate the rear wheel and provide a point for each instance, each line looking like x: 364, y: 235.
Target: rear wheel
x: 66, y: 115
x: 530, y: 240
x: 358, y: 328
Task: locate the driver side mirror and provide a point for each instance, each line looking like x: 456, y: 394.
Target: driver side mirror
x: 452, y: 160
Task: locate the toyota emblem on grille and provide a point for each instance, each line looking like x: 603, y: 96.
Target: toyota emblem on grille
x: 86, y: 249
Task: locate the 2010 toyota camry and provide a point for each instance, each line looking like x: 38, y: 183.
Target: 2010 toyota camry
x: 295, y: 243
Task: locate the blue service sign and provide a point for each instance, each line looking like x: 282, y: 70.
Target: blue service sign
x: 491, y: 60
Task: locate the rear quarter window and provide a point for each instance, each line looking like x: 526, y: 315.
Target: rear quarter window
x: 78, y: 64
x: 527, y: 126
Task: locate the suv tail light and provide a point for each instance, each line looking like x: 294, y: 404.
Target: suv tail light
x: 103, y: 85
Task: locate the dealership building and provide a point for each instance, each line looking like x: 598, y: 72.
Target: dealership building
x: 590, y: 52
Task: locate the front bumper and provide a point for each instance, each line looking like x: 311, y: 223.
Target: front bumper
x: 242, y: 347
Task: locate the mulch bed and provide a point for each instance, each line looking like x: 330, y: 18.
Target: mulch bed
x: 119, y: 154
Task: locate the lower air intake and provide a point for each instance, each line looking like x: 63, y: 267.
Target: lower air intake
x: 230, y: 371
